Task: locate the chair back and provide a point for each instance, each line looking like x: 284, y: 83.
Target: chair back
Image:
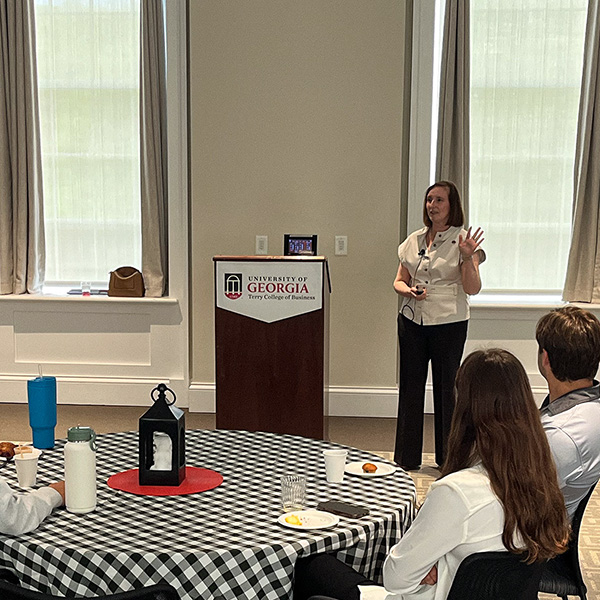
x: 562, y: 575
x: 496, y: 576
x: 161, y: 591
x: 573, y: 550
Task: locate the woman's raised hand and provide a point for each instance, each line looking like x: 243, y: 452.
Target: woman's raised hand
x: 471, y: 243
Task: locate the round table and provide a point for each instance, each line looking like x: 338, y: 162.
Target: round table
x: 224, y: 543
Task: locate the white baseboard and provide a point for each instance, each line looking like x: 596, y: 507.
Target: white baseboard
x: 363, y: 402
x: 383, y: 402
x: 200, y: 397
x: 343, y: 401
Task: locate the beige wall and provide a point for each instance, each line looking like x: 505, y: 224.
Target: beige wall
x: 296, y: 110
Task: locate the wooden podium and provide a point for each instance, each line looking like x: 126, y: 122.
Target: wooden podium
x: 272, y: 343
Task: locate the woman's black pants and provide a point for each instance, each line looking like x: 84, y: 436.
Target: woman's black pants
x: 443, y: 345
x: 325, y: 575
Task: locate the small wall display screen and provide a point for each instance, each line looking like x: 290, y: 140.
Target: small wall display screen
x: 299, y: 245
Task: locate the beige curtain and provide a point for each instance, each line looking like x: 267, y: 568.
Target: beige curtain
x: 153, y: 154
x: 452, y: 159
x: 582, y: 282
x: 22, y: 255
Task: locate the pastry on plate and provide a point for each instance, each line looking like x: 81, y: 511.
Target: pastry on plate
x: 7, y: 449
x: 369, y: 468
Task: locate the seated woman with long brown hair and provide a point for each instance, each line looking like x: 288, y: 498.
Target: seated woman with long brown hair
x: 498, y: 491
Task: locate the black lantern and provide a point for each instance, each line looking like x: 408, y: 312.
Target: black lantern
x: 162, y: 441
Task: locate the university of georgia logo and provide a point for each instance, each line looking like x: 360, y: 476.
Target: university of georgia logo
x: 233, y: 285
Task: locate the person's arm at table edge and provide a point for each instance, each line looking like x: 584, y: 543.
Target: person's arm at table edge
x: 22, y: 513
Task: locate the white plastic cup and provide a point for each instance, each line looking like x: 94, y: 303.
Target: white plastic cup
x: 27, y: 465
x: 335, y: 462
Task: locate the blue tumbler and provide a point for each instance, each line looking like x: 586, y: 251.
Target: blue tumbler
x: 41, y: 397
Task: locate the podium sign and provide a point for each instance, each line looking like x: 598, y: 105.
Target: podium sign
x: 272, y: 343
x: 269, y: 291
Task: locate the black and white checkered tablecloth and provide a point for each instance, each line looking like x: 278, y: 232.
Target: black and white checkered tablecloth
x: 224, y: 543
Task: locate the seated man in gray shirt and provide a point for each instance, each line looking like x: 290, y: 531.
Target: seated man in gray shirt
x: 569, y: 353
x: 21, y: 513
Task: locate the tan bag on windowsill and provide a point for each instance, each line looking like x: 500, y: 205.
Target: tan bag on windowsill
x: 126, y: 282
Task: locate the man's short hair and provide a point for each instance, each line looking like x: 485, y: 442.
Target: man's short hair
x: 571, y: 337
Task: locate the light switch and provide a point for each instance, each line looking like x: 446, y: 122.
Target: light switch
x: 262, y: 244
x: 341, y: 245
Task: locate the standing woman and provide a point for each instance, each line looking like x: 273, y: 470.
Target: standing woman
x: 439, y: 269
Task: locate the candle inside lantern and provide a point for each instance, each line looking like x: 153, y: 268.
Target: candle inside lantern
x: 163, y: 452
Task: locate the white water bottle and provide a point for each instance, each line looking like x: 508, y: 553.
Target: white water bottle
x: 80, y: 470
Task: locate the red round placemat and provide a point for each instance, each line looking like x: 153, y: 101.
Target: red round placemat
x: 196, y: 480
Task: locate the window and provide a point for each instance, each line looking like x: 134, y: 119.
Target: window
x: 88, y: 78
x: 526, y: 65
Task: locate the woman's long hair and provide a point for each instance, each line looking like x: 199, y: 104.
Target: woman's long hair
x: 497, y: 422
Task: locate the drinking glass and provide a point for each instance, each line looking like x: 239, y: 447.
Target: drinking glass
x: 293, y: 492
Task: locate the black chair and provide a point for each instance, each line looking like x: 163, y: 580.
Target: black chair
x: 562, y: 575
x: 161, y: 591
x: 496, y: 576
x: 492, y: 576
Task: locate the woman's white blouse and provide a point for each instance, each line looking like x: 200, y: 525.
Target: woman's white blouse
x: 438, y: 269
x: 461, y: 515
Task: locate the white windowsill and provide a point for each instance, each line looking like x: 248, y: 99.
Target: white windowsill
x: 87, y: 299
x: 489, y: 300
x: 524, y: 301
x: 480, y: 301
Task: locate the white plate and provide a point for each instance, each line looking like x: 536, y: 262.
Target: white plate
x: 310, y: 519
x: 383, y: 469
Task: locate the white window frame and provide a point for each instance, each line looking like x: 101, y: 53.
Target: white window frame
x: 175, y: 12
x: 421, y: 162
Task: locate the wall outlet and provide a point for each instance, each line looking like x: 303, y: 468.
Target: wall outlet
x: 262, y: 244
x: 341, y: 245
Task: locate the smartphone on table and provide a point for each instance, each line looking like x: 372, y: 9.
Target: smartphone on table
x: 343, y: 509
